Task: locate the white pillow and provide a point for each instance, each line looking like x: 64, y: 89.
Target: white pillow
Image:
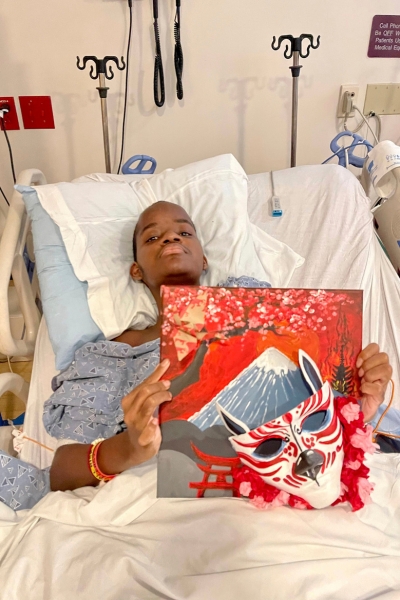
x: 97, y: 220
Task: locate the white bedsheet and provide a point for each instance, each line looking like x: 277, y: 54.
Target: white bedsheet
x: 326, y: 219
x: 122, y: 543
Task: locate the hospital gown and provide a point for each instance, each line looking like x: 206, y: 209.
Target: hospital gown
x: 86, y: 406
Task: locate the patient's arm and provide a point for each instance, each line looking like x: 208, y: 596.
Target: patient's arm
x: 70, y: 468
x: 136, y: 338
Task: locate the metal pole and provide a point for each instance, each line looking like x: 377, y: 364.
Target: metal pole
x: 295, y: 106
x: 104, y: 117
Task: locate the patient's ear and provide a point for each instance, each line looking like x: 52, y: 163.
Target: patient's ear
x: 136, y: 272
x: 205, y: 263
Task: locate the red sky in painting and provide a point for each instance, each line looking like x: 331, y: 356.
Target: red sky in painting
x: 321, y: 322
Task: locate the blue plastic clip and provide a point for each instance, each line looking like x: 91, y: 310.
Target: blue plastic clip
x: 139, y: 169
x: 355, y: 161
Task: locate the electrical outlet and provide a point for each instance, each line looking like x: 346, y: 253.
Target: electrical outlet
x: 37, y: 112
x: 10, y: 118
x: 353, y: 89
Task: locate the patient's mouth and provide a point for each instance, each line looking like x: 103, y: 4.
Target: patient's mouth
x: 172, y: 249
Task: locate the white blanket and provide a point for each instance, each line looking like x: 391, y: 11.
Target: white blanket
x: 119, y: 542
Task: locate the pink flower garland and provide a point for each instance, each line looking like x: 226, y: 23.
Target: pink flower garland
x: 355, y: 487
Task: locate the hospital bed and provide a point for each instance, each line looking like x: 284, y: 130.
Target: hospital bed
x: 118, y: 539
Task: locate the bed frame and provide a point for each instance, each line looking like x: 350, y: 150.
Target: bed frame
x: 19, y: 313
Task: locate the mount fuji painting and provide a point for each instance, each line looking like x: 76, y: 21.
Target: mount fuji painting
x: 237, y: 349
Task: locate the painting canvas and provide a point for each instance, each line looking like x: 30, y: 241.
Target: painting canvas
x: 235, y: 352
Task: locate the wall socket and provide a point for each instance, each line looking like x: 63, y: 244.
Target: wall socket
x: 10, y: 118
x: 353, y: 89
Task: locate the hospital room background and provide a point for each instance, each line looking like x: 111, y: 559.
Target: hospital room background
x: 237, y: 90
x: 230, y: 135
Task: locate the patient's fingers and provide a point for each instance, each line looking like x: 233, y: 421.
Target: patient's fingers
x: 366, y: 353
x: 381, y: 373
x: 377, y: 360
x: 141, y: 418
x: 138, y: 396
x: 151, y: 435
x: 158, y: 371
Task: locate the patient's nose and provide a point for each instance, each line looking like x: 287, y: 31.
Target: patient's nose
x: 171, y: 237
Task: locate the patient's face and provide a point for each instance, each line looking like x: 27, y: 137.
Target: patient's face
x: 168, y: 250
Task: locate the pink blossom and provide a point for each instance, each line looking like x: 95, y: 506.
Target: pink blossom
x: 353, y: 464
x: 351, y: 411
x: 281, y: 499
x: 258, y: 502
x: 364, y: 489
x: 299, y: 504
x: 343, y: 489
x: 363, y: 439
x: 245, y: 488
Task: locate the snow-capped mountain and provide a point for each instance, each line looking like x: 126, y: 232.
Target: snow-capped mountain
x: 268, y: 388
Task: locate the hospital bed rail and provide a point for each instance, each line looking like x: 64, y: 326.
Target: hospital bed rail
x: 12, y: 265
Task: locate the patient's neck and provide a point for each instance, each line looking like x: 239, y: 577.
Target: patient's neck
x: 182, y: 280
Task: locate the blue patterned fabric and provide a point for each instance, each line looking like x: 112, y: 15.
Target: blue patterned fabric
x: 21, y: 484
x: 86, y: 404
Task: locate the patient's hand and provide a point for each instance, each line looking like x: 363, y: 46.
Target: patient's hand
x: 375, y: 372
x: 139, y: 407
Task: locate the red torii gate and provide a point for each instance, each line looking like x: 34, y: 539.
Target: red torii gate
x: 213, y: 466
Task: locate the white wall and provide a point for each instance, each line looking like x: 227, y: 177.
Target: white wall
x: 237, y: 90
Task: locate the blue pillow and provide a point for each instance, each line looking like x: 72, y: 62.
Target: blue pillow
x: 63, y: 296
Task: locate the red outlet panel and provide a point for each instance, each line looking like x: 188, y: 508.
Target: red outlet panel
x: 11, y: 118
x: 37, y: 112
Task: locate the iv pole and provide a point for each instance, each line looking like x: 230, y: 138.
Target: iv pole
x: 99, y: 71
x: 294, y: 49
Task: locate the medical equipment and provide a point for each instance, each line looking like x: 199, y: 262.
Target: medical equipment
x: 294, y: 49
x: 128, y: 51
x: 345, y: 157
x: 158, y: 83
x: 178, y: 53
x: 142, y: 160
x: 102, y: 71
x: 5, y: 108
x: 383, y: 168
x: 276, y: 209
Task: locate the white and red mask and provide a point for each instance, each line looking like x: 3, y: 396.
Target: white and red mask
x: 300, y: 452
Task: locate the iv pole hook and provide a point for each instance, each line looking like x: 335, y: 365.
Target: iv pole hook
x: 293, y: 48
x: 101, y: 70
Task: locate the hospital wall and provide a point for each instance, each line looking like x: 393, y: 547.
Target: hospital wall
x: 237, y: 89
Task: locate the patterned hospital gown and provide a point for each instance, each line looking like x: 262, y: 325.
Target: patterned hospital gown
x: 86, y: 405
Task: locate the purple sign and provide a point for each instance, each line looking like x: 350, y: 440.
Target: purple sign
x: 385, y: 37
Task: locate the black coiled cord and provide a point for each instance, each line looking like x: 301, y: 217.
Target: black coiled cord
x: 159, y: 87
x: 178, y: 54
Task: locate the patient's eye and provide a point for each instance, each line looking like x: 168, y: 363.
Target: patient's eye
x: 186, y: 233
x: 317, y: 421
x: 152, y: 238
x: 270, y: 448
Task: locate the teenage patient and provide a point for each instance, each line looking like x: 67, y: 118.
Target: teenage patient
x: 168, y: 252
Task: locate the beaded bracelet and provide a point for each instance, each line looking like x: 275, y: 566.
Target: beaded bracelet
x: 93, y: 465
